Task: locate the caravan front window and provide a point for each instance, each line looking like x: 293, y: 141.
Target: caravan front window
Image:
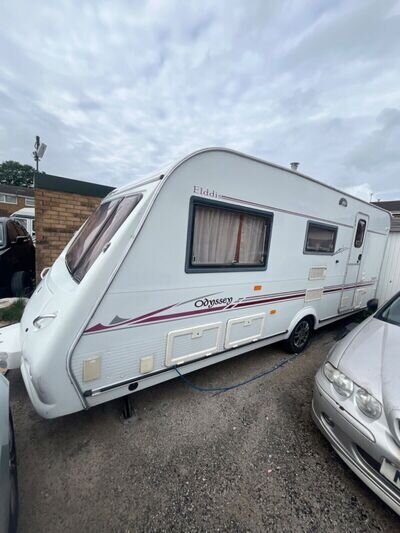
x: 96, y: 233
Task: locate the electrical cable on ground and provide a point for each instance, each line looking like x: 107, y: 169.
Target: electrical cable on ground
x: 236, y: 385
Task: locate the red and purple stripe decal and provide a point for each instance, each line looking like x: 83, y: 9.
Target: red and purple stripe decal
x: 154, y: 317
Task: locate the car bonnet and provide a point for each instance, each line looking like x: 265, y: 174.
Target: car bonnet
x: 362, y: 359
x: 372, y: 360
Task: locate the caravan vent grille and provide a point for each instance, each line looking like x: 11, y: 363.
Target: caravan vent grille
x: 317, y: 273
x: 313, y: 294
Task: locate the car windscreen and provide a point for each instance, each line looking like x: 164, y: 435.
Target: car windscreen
x: 391, y: 312
x: 96, y: 233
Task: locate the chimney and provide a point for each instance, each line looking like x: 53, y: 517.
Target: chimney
x: 294, y: 165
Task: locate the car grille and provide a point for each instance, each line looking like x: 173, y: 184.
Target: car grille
x: 376, y: 465
x: 370, y: 460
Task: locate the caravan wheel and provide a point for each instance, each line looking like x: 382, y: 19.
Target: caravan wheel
x: 300, y: 337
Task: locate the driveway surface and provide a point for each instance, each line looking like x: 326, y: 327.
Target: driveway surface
x: 249, y: 459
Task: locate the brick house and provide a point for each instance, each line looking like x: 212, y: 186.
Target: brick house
x: 62, y: 206
x: 13, y: 198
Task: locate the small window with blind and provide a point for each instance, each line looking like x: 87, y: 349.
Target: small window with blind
x: 359, y: 238
x: 224, y: 238
x: 29, y: 202
x: 320, y: 239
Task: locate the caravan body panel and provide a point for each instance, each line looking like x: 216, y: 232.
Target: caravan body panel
x: 389, y: 282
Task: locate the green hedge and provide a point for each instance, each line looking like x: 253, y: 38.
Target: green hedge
x: 13, y: 313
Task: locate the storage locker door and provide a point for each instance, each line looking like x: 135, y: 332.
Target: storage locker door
x: 192, y: 343
x: 244, y: 330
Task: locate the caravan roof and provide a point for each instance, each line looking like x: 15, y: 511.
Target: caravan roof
x: 25, y: 212
x: 168, y: 169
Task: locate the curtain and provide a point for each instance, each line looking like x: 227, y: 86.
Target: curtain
x: 252, y: 242
x: 222, y: 237
x: 320, y: 239
x: 214, y: 237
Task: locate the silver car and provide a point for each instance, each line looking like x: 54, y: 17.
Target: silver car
x: 8, y: 464
x: 356, y: 401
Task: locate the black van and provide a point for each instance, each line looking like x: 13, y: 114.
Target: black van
x: 17, y: 259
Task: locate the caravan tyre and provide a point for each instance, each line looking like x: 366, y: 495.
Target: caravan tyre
x: 300, y: 336
x: 21, y: 284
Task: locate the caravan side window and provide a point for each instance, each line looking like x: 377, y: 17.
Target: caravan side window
x: 320, y: 239
x: 223, y: 238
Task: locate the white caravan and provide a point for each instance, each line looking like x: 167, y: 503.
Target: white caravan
x: 26, y: 216
x: 214, y: 256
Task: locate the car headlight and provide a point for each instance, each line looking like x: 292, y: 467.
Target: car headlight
x: 342, y: 384
x: 368, y: 405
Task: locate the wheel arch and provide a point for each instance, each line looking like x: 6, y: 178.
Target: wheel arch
x: 305, y: 312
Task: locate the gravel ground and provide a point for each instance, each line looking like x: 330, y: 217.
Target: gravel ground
x: 246, y: 460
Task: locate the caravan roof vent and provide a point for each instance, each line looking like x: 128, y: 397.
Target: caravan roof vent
x: 294, y: 165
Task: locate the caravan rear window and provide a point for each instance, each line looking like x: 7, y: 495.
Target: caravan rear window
x: 320, y: 238
x: 96, y: 233
x: 222, y: 237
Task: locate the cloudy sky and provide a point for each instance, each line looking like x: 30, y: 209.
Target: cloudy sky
x: 118, y: 88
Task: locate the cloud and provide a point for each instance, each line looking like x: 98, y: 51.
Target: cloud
x: 118, y: 89
x: 362, y: 191
x: 377, y: 153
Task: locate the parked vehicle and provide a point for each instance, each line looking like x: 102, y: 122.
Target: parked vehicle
x: 356, y: 401
x: 17, y: 259
x: 214, y: 256
x: 8, y: 464
x: 26, y: 216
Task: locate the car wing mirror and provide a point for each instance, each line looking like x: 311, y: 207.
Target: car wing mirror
x: 21, y: 239
x: 372, y: 305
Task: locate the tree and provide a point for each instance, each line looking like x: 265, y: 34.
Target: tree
x: 13, y: 173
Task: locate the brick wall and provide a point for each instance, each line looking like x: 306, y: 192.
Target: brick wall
x: 59, y: 213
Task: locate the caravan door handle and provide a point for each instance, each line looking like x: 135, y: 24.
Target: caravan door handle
x: 37, y: 321
x: 359, y: 258
x: 44, y: 272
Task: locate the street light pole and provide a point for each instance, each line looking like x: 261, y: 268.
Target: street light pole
x: 35, y: 153
x: 38, y: 152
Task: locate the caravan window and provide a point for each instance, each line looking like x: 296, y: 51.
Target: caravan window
x: 96, y: 233
x: 320, y: 238
x: 227, y: 238
x: 359, y: 238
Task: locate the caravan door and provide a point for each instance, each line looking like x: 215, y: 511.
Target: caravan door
x: 352, y: 296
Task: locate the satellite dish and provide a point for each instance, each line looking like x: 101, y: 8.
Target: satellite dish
x: 41, y: 150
